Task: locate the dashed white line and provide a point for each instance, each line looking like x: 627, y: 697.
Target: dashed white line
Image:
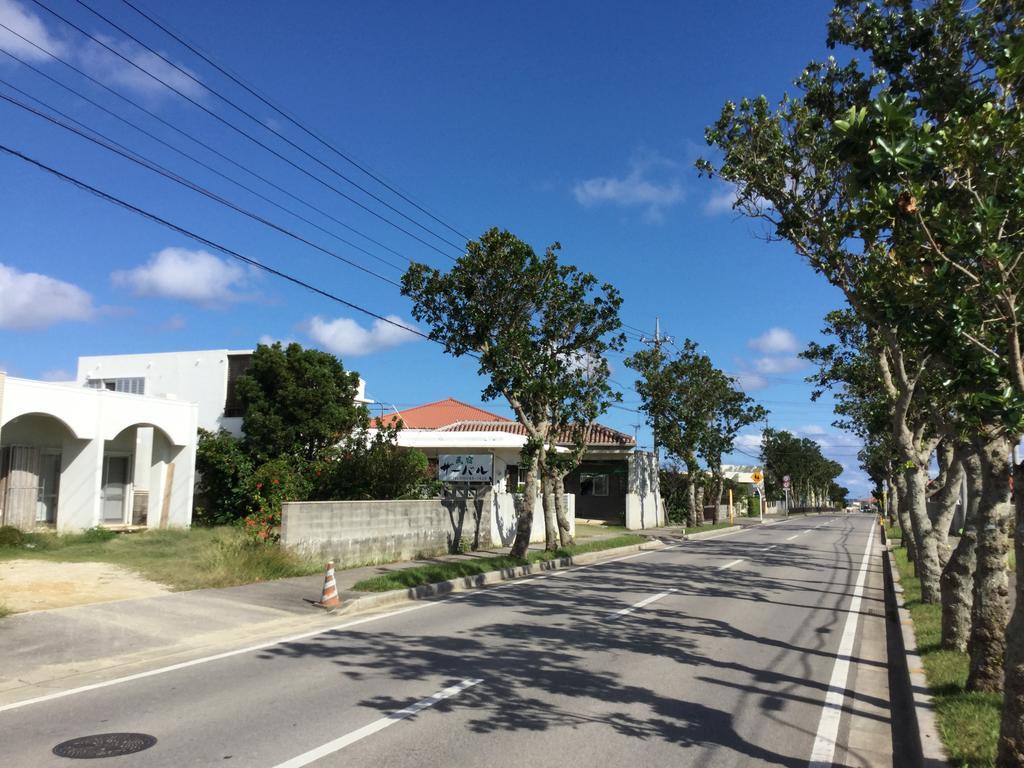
x: 828, y: 727
x: 793, y: 537
x: 769, y: 549
x: 378, y: 725
x: 646, y: 601
x: 730, y: 565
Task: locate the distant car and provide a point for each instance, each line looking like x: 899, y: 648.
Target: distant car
x: 867, y: 507
x: 851, y: 508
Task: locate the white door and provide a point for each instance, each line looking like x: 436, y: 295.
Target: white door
x: 115, y: 488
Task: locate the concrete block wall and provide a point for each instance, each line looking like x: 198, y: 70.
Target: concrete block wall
x: 362, y: 532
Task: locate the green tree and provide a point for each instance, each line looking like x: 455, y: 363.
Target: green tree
x: 297, y: 402
x: 223, y: 478
x: 695, y: 410
x: 533, y: 325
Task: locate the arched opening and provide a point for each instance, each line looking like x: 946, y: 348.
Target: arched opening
x: 32, y: 458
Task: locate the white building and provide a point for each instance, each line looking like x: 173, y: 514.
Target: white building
x: 74, y: 458
x: 615, y: 483
x: 206, y: 377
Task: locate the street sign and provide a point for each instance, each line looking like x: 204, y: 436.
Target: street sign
x: 465, y: 468
x: 785, y: 483
x: 757, y: 477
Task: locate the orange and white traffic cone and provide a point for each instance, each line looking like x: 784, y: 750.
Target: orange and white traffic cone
x: 329, y: 597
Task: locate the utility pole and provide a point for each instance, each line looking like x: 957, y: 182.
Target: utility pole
x: 656, y: 341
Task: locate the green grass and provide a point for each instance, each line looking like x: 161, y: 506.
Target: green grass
x: 452, y: 569
x: 182, y: 559
x: 4, y: 611
x: 968, y: 722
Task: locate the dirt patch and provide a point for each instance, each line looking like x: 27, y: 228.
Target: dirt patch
x: 34, y: 585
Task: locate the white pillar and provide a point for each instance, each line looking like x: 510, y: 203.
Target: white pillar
x: 81, y: 479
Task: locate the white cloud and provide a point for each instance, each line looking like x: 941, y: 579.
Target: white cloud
x: 31, y: 300
x: 778, y: 364
x: 812, y: 429
x: 775, y: 341
x: 638, y: 188
x: 268, y: 341
x: 749, y: 442
x: 750, y: 381
x: 721, y: 200
x: 344, y: 336
x: 177, y: 273
x: 173, y: 323
x: 93, y: 58
x: 27, y: 24
x: 113, y: 70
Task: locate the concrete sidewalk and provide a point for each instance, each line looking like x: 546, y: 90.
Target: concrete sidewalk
x: 53, y: 647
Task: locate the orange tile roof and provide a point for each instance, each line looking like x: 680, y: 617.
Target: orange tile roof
x: 597, y: 434
x: 440, y: 414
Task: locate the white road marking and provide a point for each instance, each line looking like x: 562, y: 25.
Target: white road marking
x: 730, y: 565
x: 793, y: 537
x: 828, y: 727
x: 302, y: 636
x: 378, y: 725
x: 769, y: 549
x: 641, y: 604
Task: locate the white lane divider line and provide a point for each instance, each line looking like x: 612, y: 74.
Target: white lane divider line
x: 646, y: 601
x: 729, y: 565
x: 828, y: 727
x: 793, y: 537
x: 379, y: 725
x: 769, y: 549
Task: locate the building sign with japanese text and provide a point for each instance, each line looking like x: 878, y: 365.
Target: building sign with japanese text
x: 465, y: 468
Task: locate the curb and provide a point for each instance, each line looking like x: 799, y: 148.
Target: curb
x: 375, y: 600
x: 931, y: 752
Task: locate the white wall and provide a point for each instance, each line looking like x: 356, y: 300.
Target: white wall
x: 644, y: 505
x: 503, y: 519
x: 199, y: 377
x: 95, y: 421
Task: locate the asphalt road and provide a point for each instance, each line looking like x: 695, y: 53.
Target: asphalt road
x: 718, y: 653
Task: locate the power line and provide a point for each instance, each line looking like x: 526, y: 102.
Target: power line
x: 170, y: 146
x: 263, y: 125
x: 242, y: 132
x: 290, y: 118
x: 124, y: 152
x: 188, y: 136
x: 206, y: 241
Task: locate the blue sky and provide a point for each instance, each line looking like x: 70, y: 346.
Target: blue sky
x: 576, y: 122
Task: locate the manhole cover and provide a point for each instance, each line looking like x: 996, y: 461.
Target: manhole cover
x: 104, y: 745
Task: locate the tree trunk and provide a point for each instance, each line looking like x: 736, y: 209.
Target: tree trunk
x: 548, y: 503
x: 903, y: 515
x: 927, y: 561
x: 958, y: 575
x: 716, y: 498
x: 943, y: 502
x: 891, y: 505
x: 565, y: 536
x: 696, y: 516
x: 1011, y: 734
x: 700, y: 505
x: 991, y: 610
x: 524, y: 524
